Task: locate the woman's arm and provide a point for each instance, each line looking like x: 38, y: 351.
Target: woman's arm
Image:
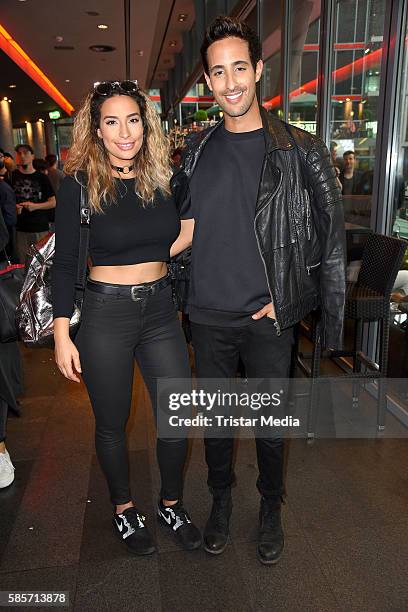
x: 184, y: 238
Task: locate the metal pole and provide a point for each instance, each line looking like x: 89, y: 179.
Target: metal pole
x: 324, y: 84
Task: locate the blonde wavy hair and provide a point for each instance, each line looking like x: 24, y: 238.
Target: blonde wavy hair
x: 88, y: 154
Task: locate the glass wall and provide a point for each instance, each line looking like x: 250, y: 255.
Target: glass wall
x: 354, y: 113
x: 271, y: 17
x: 398, y: 362
x: 303, y: 57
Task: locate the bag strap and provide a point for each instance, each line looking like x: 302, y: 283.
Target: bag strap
x: 85, y: 219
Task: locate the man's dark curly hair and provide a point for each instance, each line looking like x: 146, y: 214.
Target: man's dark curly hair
x: 226, y: 27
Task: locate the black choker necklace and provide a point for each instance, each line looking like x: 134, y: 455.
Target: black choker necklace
x: 124, y: 170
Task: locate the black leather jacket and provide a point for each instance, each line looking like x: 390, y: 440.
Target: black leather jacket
x: 298, y: 224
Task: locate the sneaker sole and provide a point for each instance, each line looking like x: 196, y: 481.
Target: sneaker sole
x: 7, y: 482
x: 133, y: 552
x: 166, y: 526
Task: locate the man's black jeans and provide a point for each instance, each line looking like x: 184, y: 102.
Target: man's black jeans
x: 264, y: 355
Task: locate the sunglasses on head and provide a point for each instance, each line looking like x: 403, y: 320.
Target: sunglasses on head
x: 105, y: 88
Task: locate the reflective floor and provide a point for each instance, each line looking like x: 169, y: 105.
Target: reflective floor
x: 346, y: 519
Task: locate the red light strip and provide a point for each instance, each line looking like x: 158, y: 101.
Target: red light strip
x: 341, y: 74
x: 20, y: 57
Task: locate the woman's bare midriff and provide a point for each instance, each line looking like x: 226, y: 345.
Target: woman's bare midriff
x: 135, y: 274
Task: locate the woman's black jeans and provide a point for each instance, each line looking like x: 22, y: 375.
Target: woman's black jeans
x: 115, y: 330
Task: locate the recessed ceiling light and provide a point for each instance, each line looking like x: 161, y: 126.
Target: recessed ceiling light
x: 103, y: 26
x: 59, y: 38
x: 173, y: 43
x: 40, y: 102
x: 12, y: 86
x: 182, y: 16
x: 67, y: 80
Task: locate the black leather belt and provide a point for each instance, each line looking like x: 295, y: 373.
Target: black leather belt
x: 135, y: 292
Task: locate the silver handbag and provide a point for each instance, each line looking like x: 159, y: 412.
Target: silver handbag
x: 34, y: 314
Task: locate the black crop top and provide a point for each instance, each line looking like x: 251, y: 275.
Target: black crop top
x: 126, y: 233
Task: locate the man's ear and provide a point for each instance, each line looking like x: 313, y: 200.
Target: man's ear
x: 208, y: 81
x: 258, y: 70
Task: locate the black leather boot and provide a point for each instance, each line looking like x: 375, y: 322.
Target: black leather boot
x: 217, y: 528
x: 270, y: 532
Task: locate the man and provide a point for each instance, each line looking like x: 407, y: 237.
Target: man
x: 267, y: 249
x: 35, y: 197
x: 54, y: 174
x: 4, y: 173
x: 349, y: 177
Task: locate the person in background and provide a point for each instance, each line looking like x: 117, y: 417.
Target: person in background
x: 35, y: 197
x: 5, y: 175
x: 10, y: 380
x: 337, y: 163
x: 9, y: 162
x: 9, y: 212
x: 176, y: 156
x: 349, y: 177
x: 54, y: 174
x: 41, y: 165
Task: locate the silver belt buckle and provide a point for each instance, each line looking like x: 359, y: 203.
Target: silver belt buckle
x: 133, y: 291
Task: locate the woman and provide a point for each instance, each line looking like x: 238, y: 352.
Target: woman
x: 119, y: 149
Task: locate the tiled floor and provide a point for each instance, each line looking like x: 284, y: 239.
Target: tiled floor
x: 346, y: 518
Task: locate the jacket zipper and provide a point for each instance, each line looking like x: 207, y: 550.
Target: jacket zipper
x: 308, y: 225
x: 308, y: 268
x: 276, y: 324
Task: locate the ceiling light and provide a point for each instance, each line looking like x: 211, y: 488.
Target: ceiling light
x: 40, y: 102
x: 5, y: 98
x: 102, y: 48
x: 173, y: 43
x: 102, y: 26
x: 12, y: 86
x: 182, y: 17
x: 9, y: 101
x: 59, y: 38
x: 67, y: 80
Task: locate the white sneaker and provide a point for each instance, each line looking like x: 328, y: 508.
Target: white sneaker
x: 6, y: 470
